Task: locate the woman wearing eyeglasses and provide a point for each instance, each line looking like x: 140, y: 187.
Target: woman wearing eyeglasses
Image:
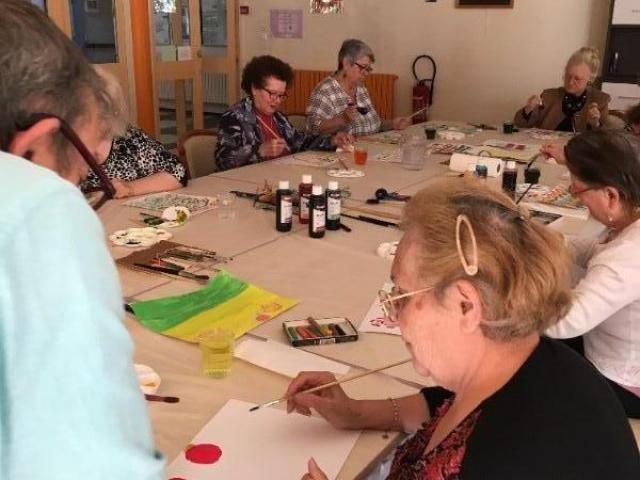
x: 476, y: 283
x: 342, y: 102
x: 253, y: 130
x: 576, y: 106
x: 605, y: 176
x: 135, y: 162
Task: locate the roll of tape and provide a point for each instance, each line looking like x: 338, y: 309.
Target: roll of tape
x: 460, y: 163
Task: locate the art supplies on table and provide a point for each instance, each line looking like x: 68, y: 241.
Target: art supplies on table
x: 160, y: 201
x: 389, y: 156
x: 544, y: 217
x: 320, y: 331
x: 460, y: 162
x: 173, y: 259
x: 449, y: 148
x: 266, y: 444
x: 345, y: 173
x: 310, y: 158
x: 225, y: 302
x: 389, y: 138
x: 521, y: 152
x: 285, y: 360
x: 451, y: 135
x: 375, y: 321
x: 540, y: 134
x: 136, y: 237
x: 559, y: 196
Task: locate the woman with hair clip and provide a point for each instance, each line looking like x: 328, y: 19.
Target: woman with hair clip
x: 576, y: 106
x: 605, y: 176
x: 476, y: 283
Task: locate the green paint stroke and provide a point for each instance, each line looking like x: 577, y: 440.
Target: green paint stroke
x: 165, y: 313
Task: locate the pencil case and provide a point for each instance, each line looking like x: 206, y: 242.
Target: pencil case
x: 321, y: 331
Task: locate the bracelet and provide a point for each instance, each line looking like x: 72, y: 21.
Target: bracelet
x: 396, y: 414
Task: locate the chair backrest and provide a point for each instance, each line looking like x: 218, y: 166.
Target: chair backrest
x: 195, y: 150
x: 298, y: 120
x: 381, y: 88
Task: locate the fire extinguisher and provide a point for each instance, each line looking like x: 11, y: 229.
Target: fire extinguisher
x: 423, y: 91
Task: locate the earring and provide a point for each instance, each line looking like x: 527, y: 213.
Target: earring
x: 610, y: 220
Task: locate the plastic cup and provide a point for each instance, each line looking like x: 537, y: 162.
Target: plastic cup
x: 226, y: 210
x: 532, y: 175
x: 359, y: 156
x: 507, y: 127
x: 430, y: 133
x: 217, y: 352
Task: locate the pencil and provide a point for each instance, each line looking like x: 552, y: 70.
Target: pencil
x: 332, y: 384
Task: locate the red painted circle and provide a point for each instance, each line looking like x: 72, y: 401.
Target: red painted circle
x: 204, y: 453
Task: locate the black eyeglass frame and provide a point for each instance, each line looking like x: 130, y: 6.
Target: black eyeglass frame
x: 72, y: 137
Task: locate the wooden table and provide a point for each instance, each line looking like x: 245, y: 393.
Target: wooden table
x: 337, y: 275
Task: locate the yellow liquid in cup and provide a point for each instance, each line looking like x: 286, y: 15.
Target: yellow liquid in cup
x: 217, y: 354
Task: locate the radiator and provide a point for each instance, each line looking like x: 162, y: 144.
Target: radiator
x: 381, y: 88
x: 214, y: 89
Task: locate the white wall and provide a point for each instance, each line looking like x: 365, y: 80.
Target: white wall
x: 489, y: 60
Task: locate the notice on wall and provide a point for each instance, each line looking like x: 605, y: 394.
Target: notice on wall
x: 286, y: 23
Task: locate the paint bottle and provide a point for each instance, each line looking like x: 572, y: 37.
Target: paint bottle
x: 305, y: 192
x: 317, y: 212
x: 510, y: 178
x: 284, y: 207
x: 333, y: 206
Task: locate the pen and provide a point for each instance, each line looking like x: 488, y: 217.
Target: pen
x: 375, y: 221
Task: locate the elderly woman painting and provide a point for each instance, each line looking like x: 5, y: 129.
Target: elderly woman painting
x: 341, y: 101
x: 605, y: 176
x: 135, y: 162
x: 253, y: 130
x: 476, y: 283
x: 574, y: 107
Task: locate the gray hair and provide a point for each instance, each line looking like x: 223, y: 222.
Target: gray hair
x: 44, y: 72
x: 352, y: 50
x: 590, y: 56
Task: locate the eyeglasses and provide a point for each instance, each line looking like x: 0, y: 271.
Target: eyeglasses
x: 365, y: 68
x: 574, y: 192
x: 393, y: 302
x: 106, y: 191
x: 276, y: 95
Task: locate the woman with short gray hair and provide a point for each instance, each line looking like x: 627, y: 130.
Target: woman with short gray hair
x: 342, y: 102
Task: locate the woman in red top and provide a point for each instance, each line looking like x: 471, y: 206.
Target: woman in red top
x: 476, y: 282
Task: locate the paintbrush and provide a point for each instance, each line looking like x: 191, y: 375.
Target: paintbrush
x: 331, y: 384
x: 418, y: 112
x: 278, y: 137
x: 160, y: 398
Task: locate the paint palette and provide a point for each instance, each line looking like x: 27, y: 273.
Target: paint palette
x: 139, y: 237
x: 161, y: 201
x: 322, y: 331
x: 559, y: 196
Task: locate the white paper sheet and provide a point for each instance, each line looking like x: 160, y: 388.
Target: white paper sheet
x: 375, y: 320
x: 265, y: 444
x: 283, y: 359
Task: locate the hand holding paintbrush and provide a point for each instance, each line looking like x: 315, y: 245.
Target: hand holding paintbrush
x: 326, y: 387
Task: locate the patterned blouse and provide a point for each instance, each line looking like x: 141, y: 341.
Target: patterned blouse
x: 329, y: 100
x: 135, y: 156
x: 240, y: 137
x: 444, y: 462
